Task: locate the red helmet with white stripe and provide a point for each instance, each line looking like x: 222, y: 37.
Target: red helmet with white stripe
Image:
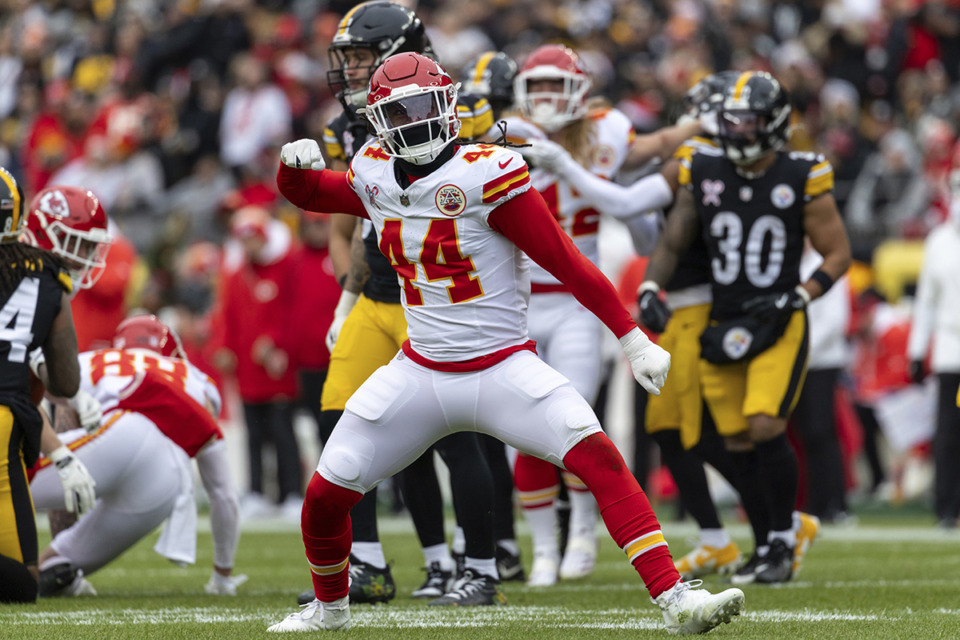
x: 149, y: 332
x: 412, y: 106
x: 551, y: 88
x: 71, y: 223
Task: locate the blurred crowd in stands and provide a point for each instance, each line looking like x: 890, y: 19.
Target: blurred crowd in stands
x: 173, y: 111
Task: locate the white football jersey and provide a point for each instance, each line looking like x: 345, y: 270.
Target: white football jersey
x: 156, y: 386
x: 465, y: 286
x: 576, y: 215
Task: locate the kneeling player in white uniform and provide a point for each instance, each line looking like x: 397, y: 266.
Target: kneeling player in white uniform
x: 455, y: 221
x: 158, y: 413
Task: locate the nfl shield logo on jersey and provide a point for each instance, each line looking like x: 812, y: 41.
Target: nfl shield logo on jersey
x: 451, y: 200
x: 782, y: 196
x: 736, y: 341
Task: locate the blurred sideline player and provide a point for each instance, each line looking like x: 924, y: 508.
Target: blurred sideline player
x: 158, y: 412
x: 369, y: 328
x: 753, y: 204
x: 551, y: 92
x: 35, y: 314
x: 676, y: 419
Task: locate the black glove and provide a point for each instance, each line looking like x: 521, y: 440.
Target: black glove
x: 917, y: 373
x: 654, y: 312
x: 776, y: 306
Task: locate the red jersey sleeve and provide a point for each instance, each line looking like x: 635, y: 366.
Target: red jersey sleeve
x: 527, y: 222
x: 320, y: 191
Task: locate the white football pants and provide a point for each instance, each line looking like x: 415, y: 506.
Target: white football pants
x: 569, y: 339
x: 139, y: 474
x: 403, y: 408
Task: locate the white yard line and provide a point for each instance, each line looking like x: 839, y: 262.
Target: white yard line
x: 548, y: 617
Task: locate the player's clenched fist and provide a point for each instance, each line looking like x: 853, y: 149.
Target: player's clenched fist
x: 302, y: 154
x: 649, y: 362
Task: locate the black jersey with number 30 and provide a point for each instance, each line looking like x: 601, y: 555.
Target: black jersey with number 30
x: 753, y: 228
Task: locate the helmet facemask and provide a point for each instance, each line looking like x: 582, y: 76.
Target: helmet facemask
x: 748, y: 136
x: 83, y: 253
x: 552, y: 109
x: 351, y: 68
x: 415, y: 123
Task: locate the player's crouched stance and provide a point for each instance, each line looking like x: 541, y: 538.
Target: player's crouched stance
x: 455, y: 221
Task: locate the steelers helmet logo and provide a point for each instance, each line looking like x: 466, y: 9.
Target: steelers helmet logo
x: 451, y: 201
x: 782, y: 196
x: 604, y: 156
x: 736, y: 342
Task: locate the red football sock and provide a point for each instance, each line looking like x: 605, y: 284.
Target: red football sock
x: 624, y: 509
x: 536, y: 481
x: 327, y: 536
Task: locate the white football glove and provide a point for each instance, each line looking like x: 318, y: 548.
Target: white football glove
x: 345, y: 304
x: 649, y: 362
x: 77, y: 482
x: 710, y: 123
x: 88, y: 410
x: 547, y: 155
x: 219, y: 585
x: 302, y: 154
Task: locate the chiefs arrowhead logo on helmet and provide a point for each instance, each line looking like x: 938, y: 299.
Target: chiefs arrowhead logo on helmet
x: 71, y: 223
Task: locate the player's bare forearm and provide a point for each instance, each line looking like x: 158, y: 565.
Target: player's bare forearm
x: 823, y: 224
x: 659, y: 145
x: 342, y: 227
x: 62, y: 369
x: 359, y: 271
x: 682, y: 226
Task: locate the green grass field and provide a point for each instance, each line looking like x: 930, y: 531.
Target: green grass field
x: 892, y: 576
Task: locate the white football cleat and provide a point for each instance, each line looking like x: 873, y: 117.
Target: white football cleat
x: 687, y: 611
x: 580, y: 558
x: 317, y: 616
x: 544, y: 571
x: 79, y: 587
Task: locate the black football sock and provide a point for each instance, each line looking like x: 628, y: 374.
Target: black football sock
x: 779, y: 476
x: 751, y: 496
x: 691, y: 479
x: 472, y: 486
x: 421, y: 494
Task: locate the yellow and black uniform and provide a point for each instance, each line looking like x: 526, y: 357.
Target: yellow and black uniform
x: 475, y: 114
x: 753, y: 229
x: 27, y: 313
x: 688, y: 295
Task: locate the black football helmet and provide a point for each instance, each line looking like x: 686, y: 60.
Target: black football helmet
x: 491, y: 75
x: 11, y: 207
x: 708, y: 94
x: 754, y: 118
x: 382, y: 27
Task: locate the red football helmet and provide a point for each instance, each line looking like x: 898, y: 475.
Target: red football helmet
x: 149, y: 332
x: 71, y: 223
x: 552, y: 108
x: 412, y: 106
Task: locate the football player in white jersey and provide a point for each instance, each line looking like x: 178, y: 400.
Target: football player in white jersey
x: 159, y: 411
x: 571, y: 140
x: 455, y: 222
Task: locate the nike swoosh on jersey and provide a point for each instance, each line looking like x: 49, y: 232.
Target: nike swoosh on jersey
x: 503, y: 165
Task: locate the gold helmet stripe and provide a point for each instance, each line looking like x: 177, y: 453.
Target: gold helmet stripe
x: 15, y: 195
x: 741, y: 83
x: 482, y: 65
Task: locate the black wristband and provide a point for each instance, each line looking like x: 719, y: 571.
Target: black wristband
x: 822, y: 278
x: 342, y: 280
